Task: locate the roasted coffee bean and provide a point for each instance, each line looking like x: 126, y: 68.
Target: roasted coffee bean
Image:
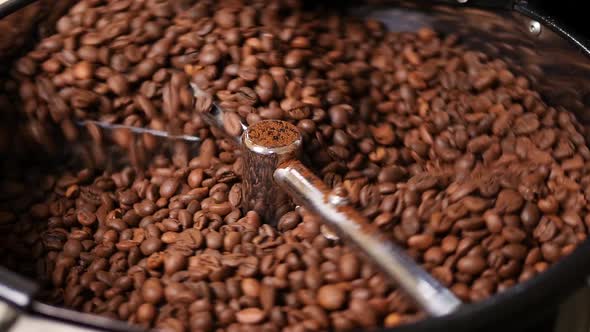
x: 150, y: 246
x: 472, y: 265
x: 349, y: 267
x: 331, y: 297
x: 152, y: 291
x: 250, y: 316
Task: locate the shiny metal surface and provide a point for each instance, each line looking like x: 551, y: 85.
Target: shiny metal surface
x: 15, y: 289
x: 7, y: 316
x: 308, y: 190
x: 259, y: 192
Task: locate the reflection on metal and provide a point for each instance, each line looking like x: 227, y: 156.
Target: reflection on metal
x: 328, y: 233
x: 7, y: 316
x: 338, y: 200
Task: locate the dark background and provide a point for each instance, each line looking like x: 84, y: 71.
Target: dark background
x: 570, y: 12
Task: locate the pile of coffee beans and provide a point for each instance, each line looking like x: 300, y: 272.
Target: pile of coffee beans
x: 450, y: 153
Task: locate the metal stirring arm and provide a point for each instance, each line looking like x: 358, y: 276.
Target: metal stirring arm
x: 308, y: 190
x: 271, y: 150
x: 19, y: 311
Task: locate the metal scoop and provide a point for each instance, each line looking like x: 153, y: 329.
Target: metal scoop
x: 270, y: 153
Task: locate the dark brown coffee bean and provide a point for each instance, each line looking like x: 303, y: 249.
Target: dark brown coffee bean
x: 513, y: 234
x: 152, y: 291
x: 349, y: 267
x: 551, y: 252
x: 493, y: 221
x: 250, y: 316
x: 86, y: 218
x: 174, y: 262
x: 250, y: 287
x: 530, y: 215
x: 509, y: 201
x: 515, y: 251
x: 545, y: 230
x: 232, y: 123
x: 146, y: 313
x: 169, y: 187
x: 289, y: 221
x: 118, y: 84
x: 150, y: 246
x: 83, y: 70
x: 214, y: 240
x: 548, y: 205
x: 421, y: 241
x: 231, y: 240
x: 72, y: 248
x: 472, y: 265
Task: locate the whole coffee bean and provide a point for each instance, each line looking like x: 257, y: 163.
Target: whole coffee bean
x: 449, y: 244
x: 530, y: 215
x: 493, y: 221
x: 150, y: 246
x: 509, y: 201
x: 289, y: 221
x: 551, y: 252
x: 72, y: 248
x: 513, y: 234
x: 339, y: 115
x: 214, y: 240
x: 421, y: 241
x: 250, y: 287
x: 209, y: 55
x: 349, y: 267
x: 174, y: 262
x: 83, y: 70
x: 145, y: 208
x: 515, y: 251
x: 169, y: 187
x: 152, y: 291
x: 250, y: 316
x: 86, y: 218
x: 472, y: 265
x: 118, y: 84
x: 232, y: 123
x: 146, y: 313
x: 331, y: 297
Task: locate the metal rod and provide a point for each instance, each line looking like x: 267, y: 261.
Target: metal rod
x: 308, y: 190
